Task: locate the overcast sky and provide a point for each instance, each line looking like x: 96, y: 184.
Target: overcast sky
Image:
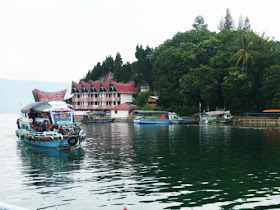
x: 60, y: 40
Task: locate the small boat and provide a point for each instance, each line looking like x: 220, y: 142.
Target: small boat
x: 175, y: 119
x: 151, y: 117
x: 215, y: 117
x: 96, y: 117
x: 49, y: 124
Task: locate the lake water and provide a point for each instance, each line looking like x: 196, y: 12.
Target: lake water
x: 144, y: 167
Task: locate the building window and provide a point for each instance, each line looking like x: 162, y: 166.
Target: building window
x: 119, y: 95
x: 116, y: 112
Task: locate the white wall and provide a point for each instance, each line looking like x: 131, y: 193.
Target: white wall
x: 126, y: 98
x: 119, y: 114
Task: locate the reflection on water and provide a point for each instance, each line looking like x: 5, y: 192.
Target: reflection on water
x: 44, y: 166
x: 148, y: 167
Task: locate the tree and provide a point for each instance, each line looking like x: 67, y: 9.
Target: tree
x: 108, y: 65
x: 240, y: 23
x: 143, y: 65
x: 199, y: 85
x: 245, y: 48
x: 199, y: 23
x: 142, y: 98
x: 237, y: 88
x: 247, y: 25
x: 227, y: 22
x: 271, y: 87
x: 244, y: 25
x: 118, y: 67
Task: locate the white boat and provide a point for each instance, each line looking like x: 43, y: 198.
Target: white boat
x: 215, y: 117
x: 66, y: 135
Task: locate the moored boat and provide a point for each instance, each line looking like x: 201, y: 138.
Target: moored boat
x: 96, y: 117
x: 175, y: 119
x: 215, y: 117
x: 49, y: 124
x: 151, y: 117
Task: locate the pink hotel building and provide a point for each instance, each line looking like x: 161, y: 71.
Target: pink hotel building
x: 101, y: 94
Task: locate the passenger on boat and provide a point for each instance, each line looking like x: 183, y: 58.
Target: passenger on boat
x: 55, y: 125
x: 44, y: 126
x: 18, y: 123
x: 61, y: 130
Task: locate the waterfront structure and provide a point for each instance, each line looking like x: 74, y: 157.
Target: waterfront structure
x: 101, y: 94
x: 152, y: 101
x: 144, y: 88
x: 123, y: 111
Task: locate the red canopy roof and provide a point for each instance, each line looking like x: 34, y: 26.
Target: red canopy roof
x: 124, y: 87
x: 78, y: 86
x: 121, y: 87
x: 41, y: 96
x: 87, y: 85
x: 105, y: 84
x: 95, y: 84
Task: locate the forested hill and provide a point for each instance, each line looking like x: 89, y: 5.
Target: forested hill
x: 236, y: 69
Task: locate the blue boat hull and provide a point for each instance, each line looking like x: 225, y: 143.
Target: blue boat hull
x: 145, y: 121
x: 50, y: 139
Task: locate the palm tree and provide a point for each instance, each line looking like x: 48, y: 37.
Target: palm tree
x: 246, y: 50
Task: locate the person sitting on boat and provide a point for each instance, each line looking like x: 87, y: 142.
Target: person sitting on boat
x: 18, y: 123
x: 55, y: 125
x: 39, y: 128
x: 44, y: 126
x: 61, y: 130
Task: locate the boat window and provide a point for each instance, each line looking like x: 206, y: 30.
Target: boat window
x: 62, y: 116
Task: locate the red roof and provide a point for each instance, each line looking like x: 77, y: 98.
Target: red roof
x: 105, y: 84
x: 124, y: 87
x: 78, y: 86
x: 95, y: 84
x: 87, y: 85
x: 121, y: 87
x: 125, y: 106
x: 41, y: 96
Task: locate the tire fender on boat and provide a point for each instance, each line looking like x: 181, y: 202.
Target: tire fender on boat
x: 51, y: 138
x: 60, y: 138
x: 72, y: 140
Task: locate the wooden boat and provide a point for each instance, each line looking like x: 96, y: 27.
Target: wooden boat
x: 215, y: 117
x: 175, y: 119
x: 34, y: 115
x: 151, y: 117
x: 96, y: 117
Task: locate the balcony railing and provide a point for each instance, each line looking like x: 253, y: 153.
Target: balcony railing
x: 96, y: 99
x: 84, y: 107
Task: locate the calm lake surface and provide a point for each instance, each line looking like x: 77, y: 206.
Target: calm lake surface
x: 144, y: 167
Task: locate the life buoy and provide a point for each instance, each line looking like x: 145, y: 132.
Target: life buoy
x: 72, y: 140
